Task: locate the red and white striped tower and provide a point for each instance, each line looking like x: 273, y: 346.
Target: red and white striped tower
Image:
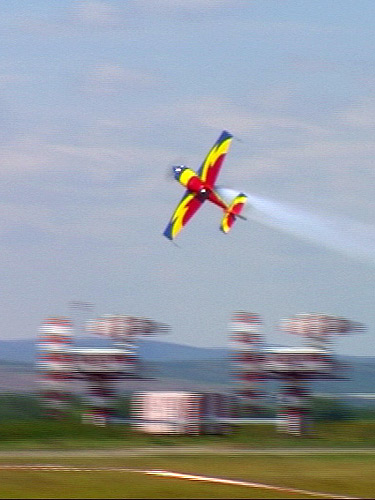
x: 247, y: 356
x: 318, y: 330
x: 54, y: 364
x: 102, y: 368
x: 59, y: 363
x: 295, y: 367
x: 124, y: 330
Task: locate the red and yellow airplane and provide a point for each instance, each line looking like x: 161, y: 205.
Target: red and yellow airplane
x: 201, y: 187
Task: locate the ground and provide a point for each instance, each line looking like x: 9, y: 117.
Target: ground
x: 320, y: 475
x: 52, y: 459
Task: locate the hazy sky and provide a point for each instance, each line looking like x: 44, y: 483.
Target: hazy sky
x: 97, y: 98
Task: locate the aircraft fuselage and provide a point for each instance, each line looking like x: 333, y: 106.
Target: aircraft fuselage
x: 194, y: 183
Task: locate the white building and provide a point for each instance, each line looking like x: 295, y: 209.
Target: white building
x: 181, y: 412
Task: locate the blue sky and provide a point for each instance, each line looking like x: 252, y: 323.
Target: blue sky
x: 97, y: 98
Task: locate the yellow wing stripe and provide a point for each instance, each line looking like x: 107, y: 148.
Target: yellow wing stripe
x: 241, y: 199
x: 178, y: 216
x: 224, y: 225
x: 213, y: 155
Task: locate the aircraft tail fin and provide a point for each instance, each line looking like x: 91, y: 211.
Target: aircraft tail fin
x: 234, y: 210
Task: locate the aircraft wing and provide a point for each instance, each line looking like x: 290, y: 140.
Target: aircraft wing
x: 210, y: 168
x: 184, y: 212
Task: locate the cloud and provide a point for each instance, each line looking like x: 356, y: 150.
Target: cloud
x: 197, y: 6
x: 16, y: 213
x: 218, y: 113
x: 84, y: 17
x: 361, y: 114
x: 102, y: 221
x: 32, y: 156
x: 23, y: 156
x: 10, y: 79
x: 96, y: 14
x: 113, y: 78
x: 348, y: 150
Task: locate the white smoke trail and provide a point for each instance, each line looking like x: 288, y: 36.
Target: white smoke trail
x: 347, y: 236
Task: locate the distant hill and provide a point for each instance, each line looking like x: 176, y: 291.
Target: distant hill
x: 20, y: 351
x: 198, y: 375
x: 153, y: 350
x: 209, y: 371
x: 176, y: 366
x: 358, y: 376
x: 25, y: 350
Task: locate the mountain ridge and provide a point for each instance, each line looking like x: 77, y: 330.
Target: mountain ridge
x: 172, y: 365
x: 25, y: 350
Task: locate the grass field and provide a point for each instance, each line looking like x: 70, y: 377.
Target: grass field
x: 346, y: 475
x: 72, y: 434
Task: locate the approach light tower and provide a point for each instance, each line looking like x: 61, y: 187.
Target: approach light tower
x: 100, y: 369
x: 60, y: 364
x: 319, y: 329
x: 124, y: 330
x: 295, y: 367
x: 55, y: 365
x: 247, y: 356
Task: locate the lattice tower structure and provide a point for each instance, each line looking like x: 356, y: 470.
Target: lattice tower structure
x: 55, y: 365
x: 247, y: 357
x: 100, y: 370
x: 124, y: 330
x: 318, y: 329
x: 296, y: 367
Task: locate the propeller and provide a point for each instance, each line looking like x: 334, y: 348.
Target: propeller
x: 169, y: 174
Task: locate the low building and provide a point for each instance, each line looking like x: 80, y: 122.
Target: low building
x: 181, y: 412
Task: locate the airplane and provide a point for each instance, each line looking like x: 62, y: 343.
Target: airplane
x: 201, y: 187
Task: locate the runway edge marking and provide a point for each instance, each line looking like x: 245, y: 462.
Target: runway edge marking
x: 177, y: 475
